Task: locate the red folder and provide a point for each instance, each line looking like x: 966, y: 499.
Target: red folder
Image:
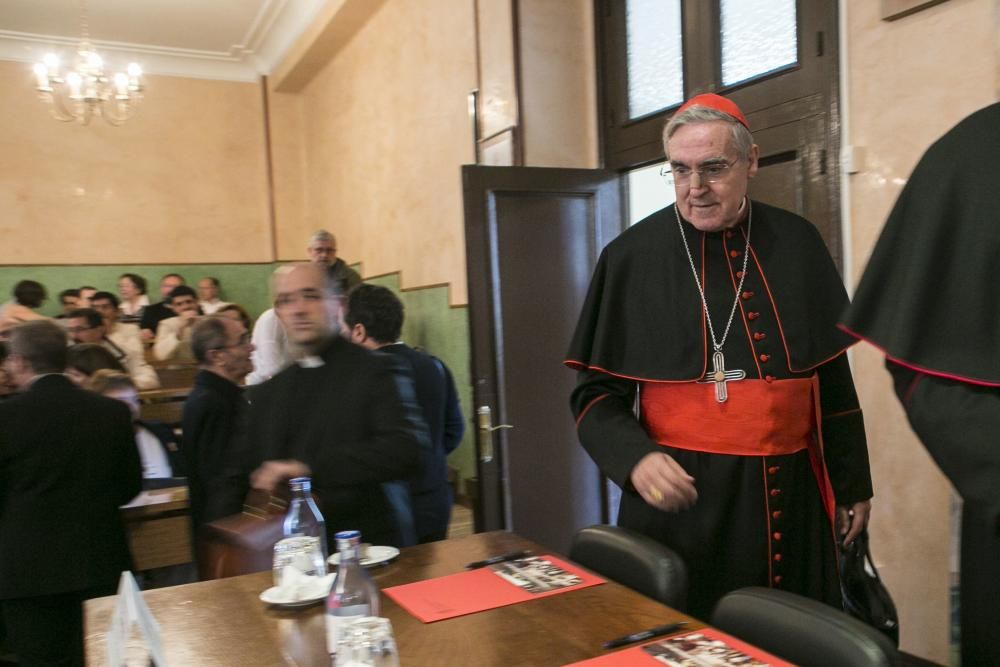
x: 489, y: 587
x: 689, y: 647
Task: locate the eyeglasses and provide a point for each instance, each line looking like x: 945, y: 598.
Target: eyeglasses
x: 707, y: 173
x: 242, y: 342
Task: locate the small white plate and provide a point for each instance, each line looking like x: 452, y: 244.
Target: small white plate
x: 273, y: 597
x: 374, y: 556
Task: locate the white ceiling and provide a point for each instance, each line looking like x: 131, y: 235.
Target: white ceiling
x: 218, y: 39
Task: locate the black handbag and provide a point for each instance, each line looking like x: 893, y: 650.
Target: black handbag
x: 865, y: 596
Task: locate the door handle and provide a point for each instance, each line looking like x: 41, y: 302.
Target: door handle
x: 485, y: 427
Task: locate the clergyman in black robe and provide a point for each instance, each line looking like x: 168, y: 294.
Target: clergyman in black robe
x: 928, y: 299
x: 745, y: 489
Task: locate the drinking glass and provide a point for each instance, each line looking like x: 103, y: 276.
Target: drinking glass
x: 367, y: 642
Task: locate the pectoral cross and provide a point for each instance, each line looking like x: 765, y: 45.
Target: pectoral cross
x: 720, y: 376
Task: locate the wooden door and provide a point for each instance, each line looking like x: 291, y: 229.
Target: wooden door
x: 533, y: 236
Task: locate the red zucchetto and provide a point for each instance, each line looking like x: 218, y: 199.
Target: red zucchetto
x: 717, y: 102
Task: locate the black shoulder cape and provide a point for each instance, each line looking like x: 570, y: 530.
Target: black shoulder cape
x: 929, y: 295
x: 643, y: 317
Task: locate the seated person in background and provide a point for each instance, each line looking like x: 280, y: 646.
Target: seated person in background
x: 86, y: 292
x: 155, y: 313
x: 68, y: 462
x: 28, y: 295
x: 213, y: 416
x: 7, y: 386
x: 341, y: 415
x: 375, y: 321
x: 86, y: 325
x: 68, y: 298
x: 272, y: 351
x: 236, y: 312
x: 85, y: 359
x: 132, y: 288
x: 156, y: 443
x: 208, y: 295
x: 173, y: 335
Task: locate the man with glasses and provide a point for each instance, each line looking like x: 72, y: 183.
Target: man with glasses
x: 322, y: 250
x: 212, y: 414
x: 708, y: 353
x: 89, y: 325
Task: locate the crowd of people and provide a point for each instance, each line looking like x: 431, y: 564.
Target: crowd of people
x: 337, y: 396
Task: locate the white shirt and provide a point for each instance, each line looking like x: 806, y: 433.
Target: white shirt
x: 272, y: 350
x: 154, y: 459
x: 126, y: 338
x: 212, y: 307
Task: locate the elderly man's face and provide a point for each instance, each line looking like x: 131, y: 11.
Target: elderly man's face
x: 107, y: 310
x: 84, y: 300
x: 307, y: 311
x: 710, y: 207
x: 207, y: 291
x: 82, y: 332
x: 234, y: 359
x: 322, y: 252
x: 168, y: 284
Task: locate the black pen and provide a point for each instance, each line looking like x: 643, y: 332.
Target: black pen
x: 502, y: 558
x: 644, y: 635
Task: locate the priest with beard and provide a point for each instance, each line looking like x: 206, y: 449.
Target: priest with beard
x: 927, y: 299
x: 712, y: 382
x: 340, y: 414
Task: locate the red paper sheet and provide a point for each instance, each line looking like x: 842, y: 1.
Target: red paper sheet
x: 478, y: 590
x: 693, y: 649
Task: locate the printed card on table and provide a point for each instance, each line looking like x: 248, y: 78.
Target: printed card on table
x: 489, y: 587
x: 698, y: 648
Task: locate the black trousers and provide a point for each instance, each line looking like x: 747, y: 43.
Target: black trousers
x: 959, y: 425
x: 47, y: 630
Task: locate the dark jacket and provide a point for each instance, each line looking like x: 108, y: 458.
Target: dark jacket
x: 348, y: 421
x: 68, y: 460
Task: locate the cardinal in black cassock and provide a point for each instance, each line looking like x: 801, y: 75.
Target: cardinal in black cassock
x: 785, y: 450
x: 928, y: 299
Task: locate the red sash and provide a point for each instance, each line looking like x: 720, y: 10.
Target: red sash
x: 760, y: 419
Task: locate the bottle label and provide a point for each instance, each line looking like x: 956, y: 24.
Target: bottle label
x: 336, y: 618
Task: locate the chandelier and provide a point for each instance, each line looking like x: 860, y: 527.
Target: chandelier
x: 85, y: 90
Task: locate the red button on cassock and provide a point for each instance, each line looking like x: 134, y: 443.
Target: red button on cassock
x: 765, y: 357
x: 776, y: 515
x: 775, y: 492
x: 753, y: 315
x: 777, y: 580
x: 769, y: 378
x: 729, y: 233
x: 739, y: 274
x: 747, y: 295
x: 773, y: 469
x: 777, y: 537
x: 734, y: 253
x: 759, y: 336
x: 777, y: 558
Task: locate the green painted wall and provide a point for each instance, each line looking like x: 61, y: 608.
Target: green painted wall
x: 431, y: 323
x: 443, y: 331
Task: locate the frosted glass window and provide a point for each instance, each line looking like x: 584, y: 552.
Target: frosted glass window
x: 758, y: 36
x: 648, y: 192
x: 655, y: 74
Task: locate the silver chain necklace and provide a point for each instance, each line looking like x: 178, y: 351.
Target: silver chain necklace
x: 719, y: 375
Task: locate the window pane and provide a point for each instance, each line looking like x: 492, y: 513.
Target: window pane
x: 655, y: 75
x: 758, y: 36
x: 648, y: 192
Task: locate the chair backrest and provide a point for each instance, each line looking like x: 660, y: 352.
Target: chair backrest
x: 803, y: 631
x: 633, y: 560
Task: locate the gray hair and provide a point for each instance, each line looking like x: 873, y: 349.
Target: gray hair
x: 741, y: 137
x: 209, y: 333
x: 322, y: 236
x: 42, y: 345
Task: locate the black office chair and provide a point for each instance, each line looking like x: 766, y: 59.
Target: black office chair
x: 633, y: 560
x: 803, y: 631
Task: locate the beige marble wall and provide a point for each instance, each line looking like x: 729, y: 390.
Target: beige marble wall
x: 384, y: 130
x: 910, y: 81
x: 558, y: 83
x: 183, y: 181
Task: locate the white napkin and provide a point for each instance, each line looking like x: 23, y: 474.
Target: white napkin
x: 131, y: 608
x: 296, y: 586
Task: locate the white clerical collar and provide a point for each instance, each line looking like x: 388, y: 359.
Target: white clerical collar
x: 311, y: 361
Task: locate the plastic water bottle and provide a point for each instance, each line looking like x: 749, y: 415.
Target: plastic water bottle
x: 353, y: 594
x: 305, y: 523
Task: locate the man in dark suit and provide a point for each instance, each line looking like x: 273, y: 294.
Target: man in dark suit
x: 340, y: 415
x: 67, y: 462
x: 375, y: 321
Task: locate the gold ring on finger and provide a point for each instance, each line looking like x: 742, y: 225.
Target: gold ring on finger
x: 655, y: 494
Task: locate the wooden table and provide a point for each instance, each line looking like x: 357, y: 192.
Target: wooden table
x: 158, y: 525
x: 223, y: 622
